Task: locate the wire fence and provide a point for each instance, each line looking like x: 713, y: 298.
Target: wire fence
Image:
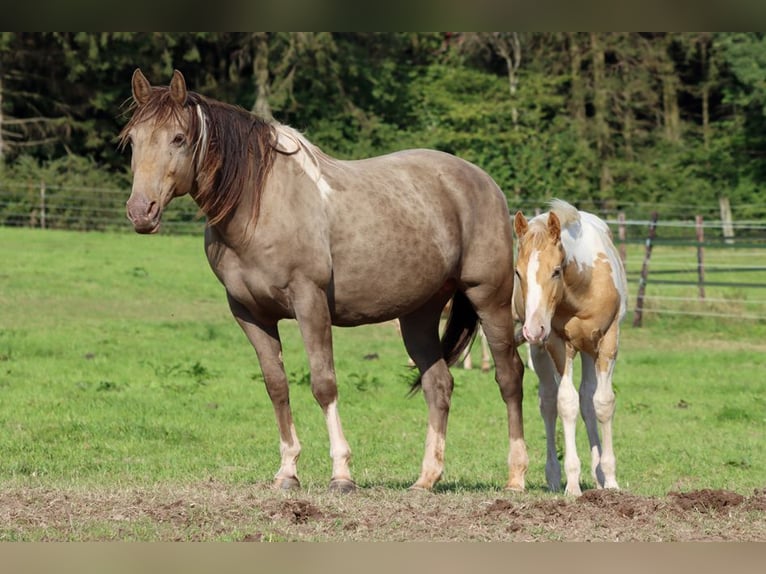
x: 722, y: 275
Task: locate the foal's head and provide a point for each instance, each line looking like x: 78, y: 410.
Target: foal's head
x: 539, y: 273
x: 164, y: 135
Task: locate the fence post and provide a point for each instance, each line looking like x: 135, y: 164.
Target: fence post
x: 621, y: 235
x: 638, y: 315
x: 726, y: 219
x: 42, y: 205
x: 700, y: 256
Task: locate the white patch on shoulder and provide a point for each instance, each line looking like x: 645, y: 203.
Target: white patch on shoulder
x: 292, y: 142
x: 590, y: 240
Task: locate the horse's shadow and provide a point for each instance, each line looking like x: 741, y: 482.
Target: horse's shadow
x: 454, y: 487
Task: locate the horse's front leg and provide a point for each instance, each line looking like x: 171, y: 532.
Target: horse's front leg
x: 268, y: 347
x: 313, y: 316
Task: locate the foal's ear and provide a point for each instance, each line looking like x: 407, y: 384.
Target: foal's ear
x: 178, y: 88
x: 520, y: 224
x: 141, y: 87
x: 554, y: 226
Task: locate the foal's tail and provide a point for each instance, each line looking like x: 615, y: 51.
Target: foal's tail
x: 459, y: 332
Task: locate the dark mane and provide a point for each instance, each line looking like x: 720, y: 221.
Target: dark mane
x: 238, y: 150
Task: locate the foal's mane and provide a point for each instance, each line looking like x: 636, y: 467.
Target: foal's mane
x: 233, y: 149
x: 569, y: 218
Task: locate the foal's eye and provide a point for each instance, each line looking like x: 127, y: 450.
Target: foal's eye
x: 178, y: 140
x: 556, y: 272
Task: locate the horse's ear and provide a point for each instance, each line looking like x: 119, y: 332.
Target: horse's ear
x: 141, y: 87
x: 554, y: 226
x: 520, y: 224
x: 178, y: 88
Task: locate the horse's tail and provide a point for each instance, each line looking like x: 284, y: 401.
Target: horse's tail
x: 459, y: 332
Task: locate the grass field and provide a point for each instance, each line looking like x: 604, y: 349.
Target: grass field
x: 120, y: 368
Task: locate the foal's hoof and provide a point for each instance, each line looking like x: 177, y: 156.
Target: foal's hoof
x: 289, y: 483
x: 342, y: 485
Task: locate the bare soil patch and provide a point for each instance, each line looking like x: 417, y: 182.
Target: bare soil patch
x: 257, y: 513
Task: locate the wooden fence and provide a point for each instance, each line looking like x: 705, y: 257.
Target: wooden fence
x: 680, y: 261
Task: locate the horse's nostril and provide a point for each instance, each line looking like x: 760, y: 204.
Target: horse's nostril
x: 152, y: 209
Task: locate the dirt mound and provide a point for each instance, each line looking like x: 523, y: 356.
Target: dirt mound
x: 707, y: 500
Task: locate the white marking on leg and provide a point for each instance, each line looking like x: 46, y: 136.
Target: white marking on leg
x: 603, y: 401
x: 588, y: 412
x: 340, y: 453
x: 568, y: 406
x: 289, y: 453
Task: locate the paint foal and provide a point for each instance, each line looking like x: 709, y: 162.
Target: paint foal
x: 571, y: 295
x: 293, y: 233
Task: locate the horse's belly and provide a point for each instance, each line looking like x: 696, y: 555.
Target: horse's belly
x: 381, y: 297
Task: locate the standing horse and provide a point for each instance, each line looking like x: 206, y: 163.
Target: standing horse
x: 571, y: 295
x: 294, y: 233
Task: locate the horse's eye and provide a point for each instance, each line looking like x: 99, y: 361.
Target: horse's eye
x: 178, y: 140
x: 556, y: 272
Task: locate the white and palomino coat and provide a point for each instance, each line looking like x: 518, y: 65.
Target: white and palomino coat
x: 570, y: 295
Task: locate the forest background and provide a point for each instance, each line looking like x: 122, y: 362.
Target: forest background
x: 609, y: 121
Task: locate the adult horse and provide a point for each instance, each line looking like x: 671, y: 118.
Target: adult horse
x: 571, y: 295
x: 294, y: 233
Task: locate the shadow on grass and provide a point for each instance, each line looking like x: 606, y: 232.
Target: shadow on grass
x: 456, y: 487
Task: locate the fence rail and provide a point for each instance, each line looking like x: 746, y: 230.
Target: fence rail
x: 732, y: 251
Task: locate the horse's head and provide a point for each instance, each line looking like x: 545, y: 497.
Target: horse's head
x: 163, y: 138
x: 539, y: 273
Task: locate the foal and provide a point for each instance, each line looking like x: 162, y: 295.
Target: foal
x: 571, y: 294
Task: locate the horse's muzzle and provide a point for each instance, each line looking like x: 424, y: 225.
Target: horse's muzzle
x: 144, y: 214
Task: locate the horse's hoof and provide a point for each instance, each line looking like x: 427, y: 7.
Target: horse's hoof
x: 289, y: 483
x: 342, y: 485
x: 515, y: 486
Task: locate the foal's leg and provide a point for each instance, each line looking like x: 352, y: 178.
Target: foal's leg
x: 603, y: 401
x: 568, y: 406
x: 497, y: 322
x: 548, y: 392
x: 268, y: 347
x: 313, y: 316
x: 588, y: 412
x: 420, y: 331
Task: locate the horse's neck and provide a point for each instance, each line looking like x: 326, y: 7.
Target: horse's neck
x: 577, y: 284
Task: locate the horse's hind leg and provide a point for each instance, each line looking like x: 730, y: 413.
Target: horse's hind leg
x: 497, y: 322
x: 588, y: 412
x: 420, y: 331
x: 603, y: 401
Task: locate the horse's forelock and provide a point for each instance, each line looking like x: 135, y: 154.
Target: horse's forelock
x: 160, y: 109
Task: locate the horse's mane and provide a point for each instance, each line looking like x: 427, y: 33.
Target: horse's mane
x: 233, y: 149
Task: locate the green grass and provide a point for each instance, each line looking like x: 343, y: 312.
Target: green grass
x: 120, y: 365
